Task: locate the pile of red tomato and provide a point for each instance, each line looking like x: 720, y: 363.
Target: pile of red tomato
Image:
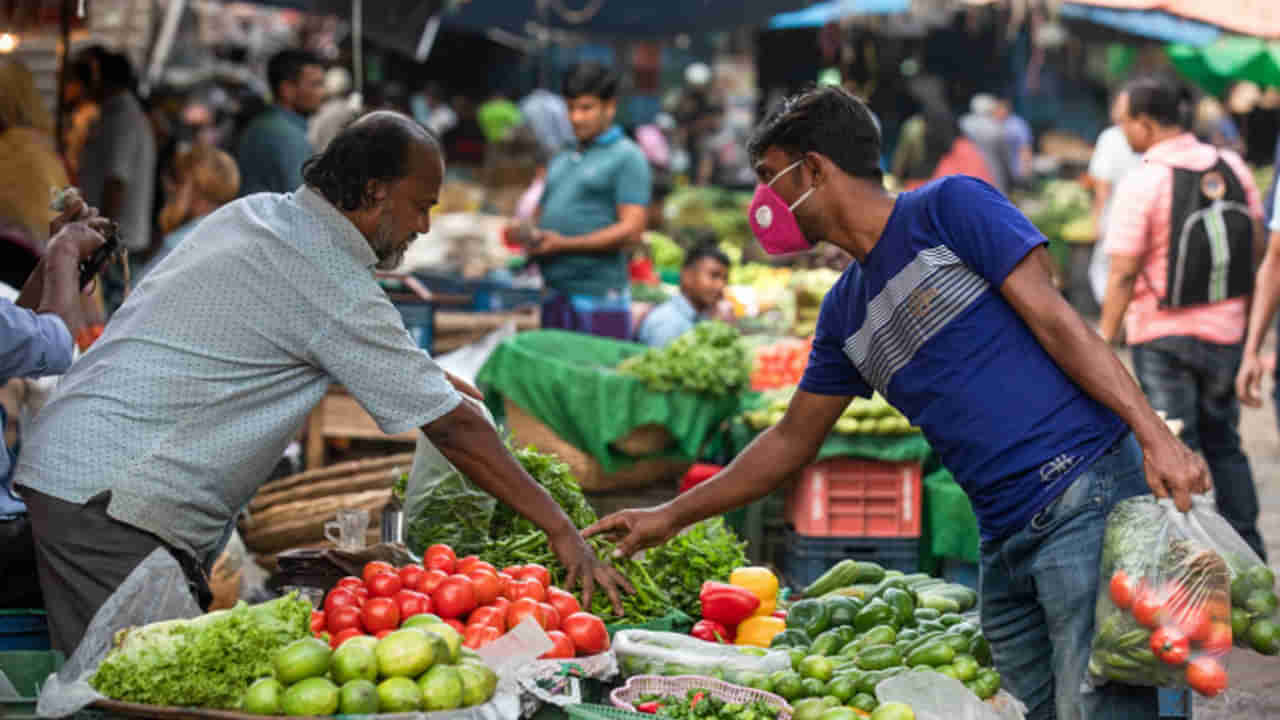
x: 468, y: 594
x: 1188, y: 631
x: 780, y: 364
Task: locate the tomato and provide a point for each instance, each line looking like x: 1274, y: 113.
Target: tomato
x: 488, y: 586
x: 344, y: 618
x: 350, y: 582
x: 411, y: 575
x: 465, y: 564
x: 1121, y: 590
x: 382, y: 633
x: 504, y: 581
x: 362, y: 594
x: 501, y: 604
x: 341, y: 637
x: 1147, y: 605
x: 385, y: 584
x: 477, y: 636
x: 1170, y: 645
x: 564, y: 603
x: 455, y: 597
x: 373, y: 568
x: 521, y: 609
x: 431, y: 580
x: 339, y: 598
x: 550, y: 616
x: 1206, y: 676
x: 537, y: 572
x: 1217, y: 641
x: 381, y: 613
x: 412, y: 602
x: 528, y: 587
x: 317, y: 621
x: 491, y: 616
x: 1194, y: 622
x: 482, y: 565
x: 440, y: 557
x: 562, y: 646
x: 456, y: 625
x: 587, y: 633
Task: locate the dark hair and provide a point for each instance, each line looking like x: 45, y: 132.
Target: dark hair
x: 826, y: 120
x: 591, y: 78
x: 375, y: 147
x: 286, y: 66
x: 117, y: 71
x: 706, y: 251
x: 1163, y: 99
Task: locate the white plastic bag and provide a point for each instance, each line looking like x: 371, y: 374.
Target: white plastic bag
x: 643, y: 652
x: 934, y: 696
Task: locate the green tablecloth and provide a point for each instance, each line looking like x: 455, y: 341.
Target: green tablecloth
x: 567, y: 380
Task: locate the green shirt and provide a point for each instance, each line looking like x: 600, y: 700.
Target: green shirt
x: 271, y: 152
x: 584, y: 189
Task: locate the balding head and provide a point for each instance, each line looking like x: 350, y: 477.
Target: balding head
x: 384, y: 173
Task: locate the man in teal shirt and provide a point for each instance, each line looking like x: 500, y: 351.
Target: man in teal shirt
x: 593, y: 208
x: 274, y: 145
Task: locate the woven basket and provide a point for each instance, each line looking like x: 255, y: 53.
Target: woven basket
x: 639, y: 685
x: 528, y: 430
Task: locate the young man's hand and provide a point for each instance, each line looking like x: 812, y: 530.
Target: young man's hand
x: 1249, y: 380
x: 1173, y: 470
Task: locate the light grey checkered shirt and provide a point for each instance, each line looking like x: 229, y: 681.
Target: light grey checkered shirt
x: 209, y: 369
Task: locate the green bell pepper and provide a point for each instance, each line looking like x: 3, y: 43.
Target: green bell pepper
x: 812, y: 616
x: 843, y: 609
x: 791, y: 638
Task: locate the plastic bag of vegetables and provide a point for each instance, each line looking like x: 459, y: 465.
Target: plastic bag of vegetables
x: 1164, y: 609
x: 642, y: 652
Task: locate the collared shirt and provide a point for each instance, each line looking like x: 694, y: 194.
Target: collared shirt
x: 667, y: 321
x: 209, y: 369
x: 584, y: 189
x: 1139, y: 227
x: 271, y: 152
x: 31, y: 345
x: 121, y: 147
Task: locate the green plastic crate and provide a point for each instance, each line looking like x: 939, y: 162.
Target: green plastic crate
x: 27, y: 670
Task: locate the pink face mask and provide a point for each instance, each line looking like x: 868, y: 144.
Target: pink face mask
x: 772, y: 220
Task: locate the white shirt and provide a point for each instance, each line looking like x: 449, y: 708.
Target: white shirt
x: 121, y: 147
x: 209, y: 369
x: 1112, y: 160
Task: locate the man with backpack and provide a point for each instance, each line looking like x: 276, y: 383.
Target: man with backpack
x: 1183, y: 239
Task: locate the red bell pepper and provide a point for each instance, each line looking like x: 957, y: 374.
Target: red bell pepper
x: 650, y: 707
x: 780, y: 614
x: 712, y: 631
x: 727, y: 604
x: 697, y: 698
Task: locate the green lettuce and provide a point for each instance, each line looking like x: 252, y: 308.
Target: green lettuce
x: 208, y: 661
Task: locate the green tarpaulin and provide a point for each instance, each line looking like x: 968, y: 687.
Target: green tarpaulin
x: 567, y: 380
x: 1228, y: 60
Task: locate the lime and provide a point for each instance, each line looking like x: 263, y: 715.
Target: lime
x: 302, y: 659
x: 399, y: 694
x: 477, y: 686
x: 263, y: 697
x: 813, y: 687
x: 407, y: 653
x: 948, y: 670
x: 808, y: 709
x: 451, y: 638
x: 843, y: 688
x: 966, y: 667
x: 788, y: 684
x: 354, y: 661
x: 1264, y: 636
x: 1261, y: 577
x: 420, y: 620
x: 893, y: 711
x: 817, y: 666
x: 1261, y: 603
x: 1239, y: 622
x: 368, y: 641
x: 358, y: 697
x: 467, y: 652
x: 441, y: 688
x: 830, y: 701
x: 864, y: 701
x: 838, y: 713
x: 313, y: 696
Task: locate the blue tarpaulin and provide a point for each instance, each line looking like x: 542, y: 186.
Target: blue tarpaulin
x: 618, y: 17
x: 1146, y: 23
x: 835, y: 10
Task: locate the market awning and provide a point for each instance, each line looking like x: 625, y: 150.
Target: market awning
x: 835, y: 10
x: 1154, y: 24
x: 617, y: 17
x: 1228, y: 60
x: 395, y: 24
x: 1258, y: 18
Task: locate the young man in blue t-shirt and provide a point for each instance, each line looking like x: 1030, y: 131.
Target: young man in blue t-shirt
x: 949, y: 312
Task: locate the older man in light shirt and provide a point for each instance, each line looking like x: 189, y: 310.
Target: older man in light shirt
x: 167, y: 427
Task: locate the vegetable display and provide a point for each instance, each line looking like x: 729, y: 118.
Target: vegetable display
x: 810, y: 288
x: 708, y: 550
x: 864, y: 416
x: 643, y: 652
x: 700, y: 704
x: 206, y: 662
x: 711, y: 358
x: 780, y: 365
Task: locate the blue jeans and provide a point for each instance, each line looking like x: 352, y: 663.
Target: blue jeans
x: 1039, y: 588
x: 1195, y: 381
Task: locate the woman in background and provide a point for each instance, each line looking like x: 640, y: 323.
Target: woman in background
x: 204, y: 179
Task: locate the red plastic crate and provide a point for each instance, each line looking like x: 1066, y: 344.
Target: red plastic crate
x: 849, y: 497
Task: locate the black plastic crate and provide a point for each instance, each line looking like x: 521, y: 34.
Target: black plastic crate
x: 805, y: 558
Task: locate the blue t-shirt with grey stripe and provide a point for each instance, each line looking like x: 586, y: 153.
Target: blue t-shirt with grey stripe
x: 922, y: 321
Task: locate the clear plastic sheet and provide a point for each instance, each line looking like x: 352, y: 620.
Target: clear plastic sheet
x: 642, y: 652
x: 934, y: 696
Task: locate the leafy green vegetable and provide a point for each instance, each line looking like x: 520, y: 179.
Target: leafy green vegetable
x: 700, y: 704
x: 706, y: 551
x: 711, y: 358
x: 208, y: 661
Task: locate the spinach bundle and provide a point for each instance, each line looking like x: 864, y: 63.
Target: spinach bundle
x: 711, y: 358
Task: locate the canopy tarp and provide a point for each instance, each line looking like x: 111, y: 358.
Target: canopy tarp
x: 1228, y: 60
x: 835, y: 10
x: 617, y: 17
x: 394, y: 24
x: 1259, y: 18
x: 1154, y: 24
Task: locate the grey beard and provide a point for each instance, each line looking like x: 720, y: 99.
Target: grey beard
x: 384, y: 247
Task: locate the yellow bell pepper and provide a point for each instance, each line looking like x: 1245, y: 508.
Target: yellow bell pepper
x: 759, y: 630
x: 762, y: 583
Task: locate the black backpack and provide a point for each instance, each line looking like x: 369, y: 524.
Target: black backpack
x: 1210, y: 238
